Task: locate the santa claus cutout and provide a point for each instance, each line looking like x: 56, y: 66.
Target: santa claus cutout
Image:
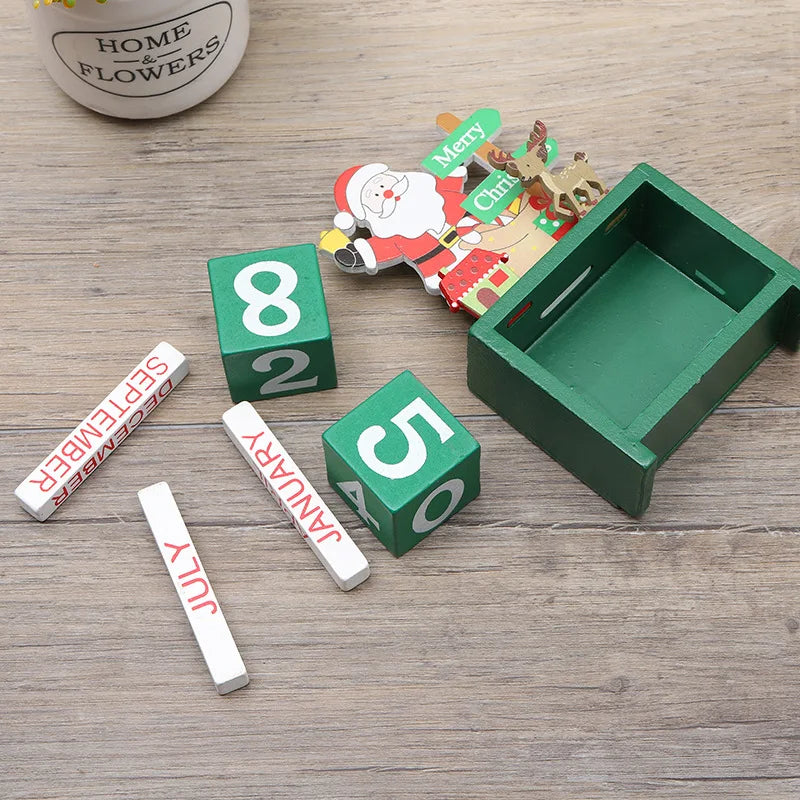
x: 417, y: 218
x: 413, y: 217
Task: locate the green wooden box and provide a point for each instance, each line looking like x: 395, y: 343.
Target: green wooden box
x: 630, y: 332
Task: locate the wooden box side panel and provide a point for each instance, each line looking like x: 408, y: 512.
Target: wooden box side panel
x: 720, y: 380
x: 624, y: 477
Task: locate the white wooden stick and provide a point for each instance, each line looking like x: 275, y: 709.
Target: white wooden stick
x: 296, y: 496
x: 194, y: 588
x: 99, y: 435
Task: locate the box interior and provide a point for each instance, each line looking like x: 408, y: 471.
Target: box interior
x: 634, y: 303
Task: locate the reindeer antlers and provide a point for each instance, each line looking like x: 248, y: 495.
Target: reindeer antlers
x: 499, y: 158
x: 538, y: 134
x: 536, y: 140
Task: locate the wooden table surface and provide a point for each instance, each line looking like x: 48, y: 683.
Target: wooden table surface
x: 541, y: 644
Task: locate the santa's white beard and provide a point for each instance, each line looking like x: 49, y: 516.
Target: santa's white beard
x: 419, y: 209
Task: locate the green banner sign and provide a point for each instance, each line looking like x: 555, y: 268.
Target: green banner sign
x: 496, y: 192
x: 462, y: 143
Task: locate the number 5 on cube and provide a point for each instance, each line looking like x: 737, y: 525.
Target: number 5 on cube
x: 272, y: 323
x: 402, y: 462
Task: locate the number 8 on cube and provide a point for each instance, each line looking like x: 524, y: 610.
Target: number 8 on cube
x: 403, y: 462
x: 272, y: 323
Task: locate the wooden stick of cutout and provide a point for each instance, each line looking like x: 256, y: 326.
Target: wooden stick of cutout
x: 194, y: 589
x: 99, y: 435
x: 313, y: 520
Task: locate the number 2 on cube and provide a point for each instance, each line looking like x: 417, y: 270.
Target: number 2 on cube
x: 281, y: 382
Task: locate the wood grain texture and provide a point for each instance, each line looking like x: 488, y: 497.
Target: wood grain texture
x: 542, y: 644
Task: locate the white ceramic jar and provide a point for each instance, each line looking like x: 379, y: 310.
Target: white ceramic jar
x: 140, y: 58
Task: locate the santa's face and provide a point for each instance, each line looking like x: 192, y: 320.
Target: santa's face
x: 381, y: 193
x: 403, y: 204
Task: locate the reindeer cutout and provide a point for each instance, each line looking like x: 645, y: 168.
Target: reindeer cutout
x: 571, y: 189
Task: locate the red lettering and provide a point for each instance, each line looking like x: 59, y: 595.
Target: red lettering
x: 297, y: 493
x: 317, y: 525
x: 75, y: 481
x: 47, y: 479
x: 137, y: 393
x: 121, y: 410
x: 90, y: 466
x: 328, y: 536
x: 191, y: 571
x: 85, y: 433
x: 153, y: 365
x: 166, y: 385
x: 109, y: 445
x: 59, y: 462
x: 202, y: 594
x: 306, y: 502
x: 150, y: 403
x: 123, y: 429
x: 144, y: 377
x: 72, y: 451
x: 263, y: 454
x: 254, y: 438
x: 268, y: 458
x: 177, y: 548
x: 59, y: 499
x: 206, y: 603
x: 280, y: 472
x: 133, y: 416
x: 106, y: 417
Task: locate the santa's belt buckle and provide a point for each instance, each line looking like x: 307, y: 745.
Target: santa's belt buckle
x: 449, y: 237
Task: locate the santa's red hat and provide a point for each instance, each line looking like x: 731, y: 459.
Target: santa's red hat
x: 347, y: 195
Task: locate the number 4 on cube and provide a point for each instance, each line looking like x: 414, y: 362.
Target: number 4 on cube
x: 402, y: 462
x: 272, y: 323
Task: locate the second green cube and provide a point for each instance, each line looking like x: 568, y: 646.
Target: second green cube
x: 403, y: 462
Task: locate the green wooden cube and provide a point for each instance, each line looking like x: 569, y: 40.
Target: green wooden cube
x: 272, y: 323
x: 630, y: 332
x: 403, y: 462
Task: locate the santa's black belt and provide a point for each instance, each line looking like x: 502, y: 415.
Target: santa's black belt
x: 445, y: 243
x: 440, y: 248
